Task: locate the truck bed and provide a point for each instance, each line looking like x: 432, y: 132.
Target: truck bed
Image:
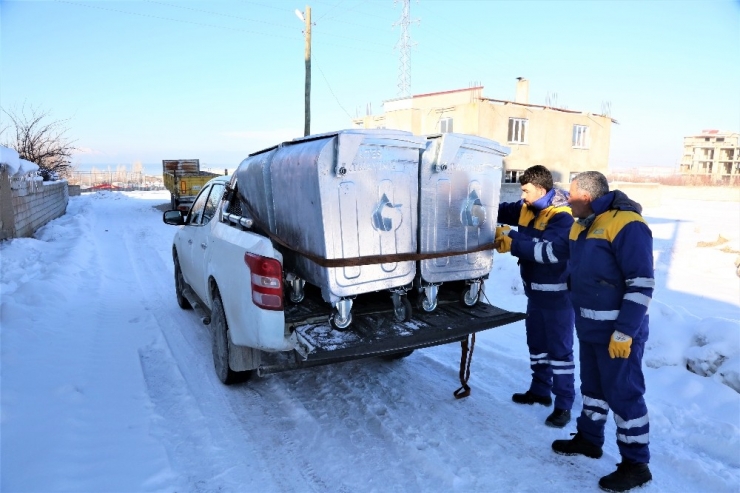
x: 374, y: 331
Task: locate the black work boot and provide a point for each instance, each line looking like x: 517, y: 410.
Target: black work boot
x: 577, y: 445
x: 529, y: 398
x: 627, y: 476
x: 558, y: 418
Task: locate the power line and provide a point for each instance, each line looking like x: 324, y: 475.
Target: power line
x: 174, y: 20
x: 330, y: 89
x: 219, y: 14
x: 330, y: 9
x: 320, y: 42
x: 363, y: 13
x: 364, y: 42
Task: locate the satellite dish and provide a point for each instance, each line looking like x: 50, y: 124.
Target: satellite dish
x: 299, y: 14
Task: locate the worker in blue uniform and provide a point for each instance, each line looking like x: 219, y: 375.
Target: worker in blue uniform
x: 543, y: 221
x: 611, y: 279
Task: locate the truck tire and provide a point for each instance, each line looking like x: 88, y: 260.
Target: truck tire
x: 221, y: 346
x: 397, y: 356
x: 180, y: 286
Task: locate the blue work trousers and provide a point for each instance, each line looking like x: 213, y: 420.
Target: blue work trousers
x: 550, y: 342
x: 617, y: 384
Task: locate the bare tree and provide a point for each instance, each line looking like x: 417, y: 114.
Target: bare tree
x: 38, y: 140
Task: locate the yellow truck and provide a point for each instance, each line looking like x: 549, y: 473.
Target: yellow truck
x: 184, y: 180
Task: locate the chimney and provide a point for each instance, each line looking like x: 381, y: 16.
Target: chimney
x: 522, y: 90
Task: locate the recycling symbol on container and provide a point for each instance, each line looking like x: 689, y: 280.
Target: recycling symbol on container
x: 474, y: 213
x: 387, y: 216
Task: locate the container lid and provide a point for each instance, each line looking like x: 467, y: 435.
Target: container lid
x: 389, y: 134
x: 474, y: 142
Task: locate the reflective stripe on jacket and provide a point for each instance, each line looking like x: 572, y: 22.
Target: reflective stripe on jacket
x: 541, y: 244
x: 611, y: 270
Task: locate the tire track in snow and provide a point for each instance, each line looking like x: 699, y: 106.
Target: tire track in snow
x: 104, y: 335
x: 188, y: 346
x: 428, y: 452
x: 378, y: 426
x: 317, y: 415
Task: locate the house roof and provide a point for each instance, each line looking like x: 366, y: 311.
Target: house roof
x: 503, y: 101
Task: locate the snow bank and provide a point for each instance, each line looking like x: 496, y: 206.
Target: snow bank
x: 9, y: 157
x: 16, y: 165
x: 715, y: 351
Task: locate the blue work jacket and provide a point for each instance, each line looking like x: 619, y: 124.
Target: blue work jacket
x: 611, y: 270
x: 541, y: 244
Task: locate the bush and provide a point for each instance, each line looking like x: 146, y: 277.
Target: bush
x: 39, y: 140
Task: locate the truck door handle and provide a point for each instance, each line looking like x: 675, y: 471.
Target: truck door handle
x: 203, y: 246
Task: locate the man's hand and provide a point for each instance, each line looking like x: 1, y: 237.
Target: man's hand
x: 502, y: 242
x: 619, y: 345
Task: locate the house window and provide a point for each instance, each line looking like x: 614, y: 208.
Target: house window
x: 518, y: 130
x: 512, y: 175
x: 445, y: 125
x: 580, y: 136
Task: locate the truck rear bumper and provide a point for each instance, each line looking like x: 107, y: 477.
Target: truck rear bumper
x: 374, y: 332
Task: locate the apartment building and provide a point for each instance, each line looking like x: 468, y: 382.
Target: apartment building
x: 566, y: 141
x: 713, y: 154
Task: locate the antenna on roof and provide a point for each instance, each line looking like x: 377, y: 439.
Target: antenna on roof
x: 606, y: 108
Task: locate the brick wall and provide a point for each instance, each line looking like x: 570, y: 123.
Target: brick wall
x: 26, y: 205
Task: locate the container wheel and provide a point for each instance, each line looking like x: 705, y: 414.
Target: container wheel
x: 339, y: 323
x: 425, y: 304
x: 467, y: 300
x: 402, y: 312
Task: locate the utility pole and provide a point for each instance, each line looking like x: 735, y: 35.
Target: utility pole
x: 307, y: 124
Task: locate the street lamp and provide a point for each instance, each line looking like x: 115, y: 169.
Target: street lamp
x: 307, y: 19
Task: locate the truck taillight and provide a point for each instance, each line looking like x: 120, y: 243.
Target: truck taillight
x: 267, y: 281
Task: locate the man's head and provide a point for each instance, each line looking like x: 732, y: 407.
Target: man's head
x: 536, y: 182
x: 584, y: 189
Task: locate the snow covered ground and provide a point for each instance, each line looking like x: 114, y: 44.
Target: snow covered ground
x: 108, y: 386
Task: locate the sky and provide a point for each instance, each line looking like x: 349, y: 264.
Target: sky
x: 149, y: 80
x: 108, y: 386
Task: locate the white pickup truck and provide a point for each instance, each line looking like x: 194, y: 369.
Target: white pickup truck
x: 232, y: 275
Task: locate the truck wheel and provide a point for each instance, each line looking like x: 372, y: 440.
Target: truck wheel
x: 221, y: 346
x: 179, y: 286
x: 173, y: 202
x: 394, y: 357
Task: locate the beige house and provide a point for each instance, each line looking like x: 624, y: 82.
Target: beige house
x: 713, y: 154
x: 565, y: 141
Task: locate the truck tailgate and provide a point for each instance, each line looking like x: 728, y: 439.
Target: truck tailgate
x: 375, y: 332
